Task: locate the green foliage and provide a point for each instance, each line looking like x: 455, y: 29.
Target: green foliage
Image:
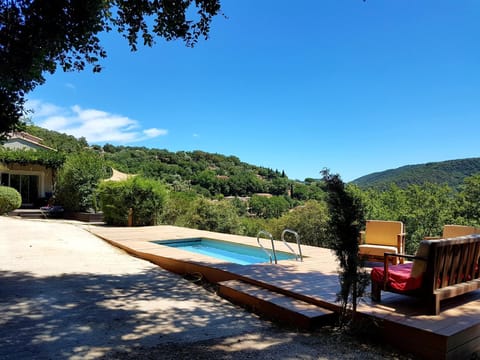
x: 309, y: 220
x: 245, y: 184
x: 177, y: 208
x: 240, y: 206
x: 146, y: 198
x: 219, y: 216
x: 451, y: 172
x: 251, y: 226
x: 39, y: 35
x: 61, y: 142
x: 208, y: 180
x: 268, y: 207
x: 112, y: 197
x: 208, y: 174
x: 78, y: 179
x: 428, y: 208
x: 311, y: 190
x: 346, y: 221
x: 10, y: 199
x: 279, y: 186
x: 390, y: 204
x: 147, y: 201
x: 50, y: 159
x: 43, y: 34
x: 469, y: 201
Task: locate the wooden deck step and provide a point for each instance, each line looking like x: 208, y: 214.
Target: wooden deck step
x: 275, y: 306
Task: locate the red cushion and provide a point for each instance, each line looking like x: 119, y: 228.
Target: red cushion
x: 398, y: 277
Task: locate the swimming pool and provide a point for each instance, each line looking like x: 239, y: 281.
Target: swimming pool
x: 228, y: 251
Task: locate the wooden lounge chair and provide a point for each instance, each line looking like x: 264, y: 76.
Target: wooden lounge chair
x: 382, y: 237
x: 441, y: 269
x: 451, y: 231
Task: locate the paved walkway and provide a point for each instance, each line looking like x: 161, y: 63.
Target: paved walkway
x: 66, y: 294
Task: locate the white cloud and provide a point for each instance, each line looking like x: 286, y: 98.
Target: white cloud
x: 96, y: 126
x: 42, y: 109
x: 55, y: 122
x: 154, y: 132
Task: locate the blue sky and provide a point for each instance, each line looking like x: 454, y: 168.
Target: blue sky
x: 356, y: 87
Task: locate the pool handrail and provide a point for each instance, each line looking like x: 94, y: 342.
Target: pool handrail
x: 263, y: 232
x: 297, y: 237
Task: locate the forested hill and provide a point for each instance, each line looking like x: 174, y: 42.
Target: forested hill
x: 208, y: 173
x: 61, y: 142
x: 451, y: 172
x: 227, y: 175
x: 216, y: 173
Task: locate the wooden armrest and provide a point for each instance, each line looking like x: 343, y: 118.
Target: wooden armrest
x: 401, y: 244
x: 361, y: 237
x: 405, y: 256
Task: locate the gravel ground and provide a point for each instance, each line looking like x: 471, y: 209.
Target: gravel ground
x: 270, y: 341
x: 273, y: 342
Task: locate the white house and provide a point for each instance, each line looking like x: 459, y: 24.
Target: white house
x: 33, y: 181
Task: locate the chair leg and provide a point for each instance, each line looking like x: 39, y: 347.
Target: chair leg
x: 434, y: 305
x: 376, y: 292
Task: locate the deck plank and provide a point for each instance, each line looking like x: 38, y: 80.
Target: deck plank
x: 454, y: 331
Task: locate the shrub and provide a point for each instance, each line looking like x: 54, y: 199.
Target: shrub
x: 177, y: 207
x: 146, y: 198
x: 10, y: 199
x: 78, y: 179
x: 268, y: 208
x: 309, y: 220
x: 251, y: 226
x: 112, y: 202
x: 220, y: 216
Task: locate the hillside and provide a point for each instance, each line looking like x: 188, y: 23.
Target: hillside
x: 451, y: 172
x: 61, y: 142
x: 227, y: 175
x: 207, y: 173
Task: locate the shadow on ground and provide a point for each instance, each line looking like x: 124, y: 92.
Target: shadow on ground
x: 87, y: 315
x: 148, y: 315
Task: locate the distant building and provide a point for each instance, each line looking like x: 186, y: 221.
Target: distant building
x: 24, y: 141
x: 32, y: 181
x: 267, y: 195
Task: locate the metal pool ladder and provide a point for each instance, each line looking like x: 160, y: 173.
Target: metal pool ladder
x: 266, y: 233
x: 299, y: 256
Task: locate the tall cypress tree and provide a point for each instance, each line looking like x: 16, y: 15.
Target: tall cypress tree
x: 346, y: 220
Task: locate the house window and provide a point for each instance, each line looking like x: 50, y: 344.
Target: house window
x: 26, y: 185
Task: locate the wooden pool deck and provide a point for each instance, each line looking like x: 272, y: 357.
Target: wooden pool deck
x: 453, y: 334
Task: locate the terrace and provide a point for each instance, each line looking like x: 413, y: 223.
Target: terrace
x: 304, y: 293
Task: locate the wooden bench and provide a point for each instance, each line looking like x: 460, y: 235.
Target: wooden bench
x: 441, y: 269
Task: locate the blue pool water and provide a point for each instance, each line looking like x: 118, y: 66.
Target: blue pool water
x: 231, y: 252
